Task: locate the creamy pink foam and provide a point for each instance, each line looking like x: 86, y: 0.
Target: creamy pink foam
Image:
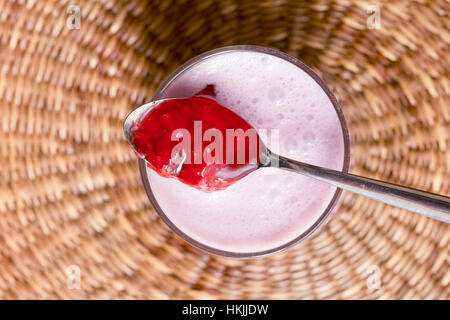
x: 270, y: 207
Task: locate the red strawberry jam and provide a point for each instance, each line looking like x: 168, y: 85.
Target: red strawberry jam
x: 197, y: 141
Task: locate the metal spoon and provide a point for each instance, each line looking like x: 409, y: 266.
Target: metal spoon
x: 426, y: 203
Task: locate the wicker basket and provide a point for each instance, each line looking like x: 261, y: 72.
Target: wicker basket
x: 75, y: 221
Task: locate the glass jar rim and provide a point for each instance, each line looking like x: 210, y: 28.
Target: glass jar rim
x: 345, y: 168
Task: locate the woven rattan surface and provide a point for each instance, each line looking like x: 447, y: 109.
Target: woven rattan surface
x: 71, y: 198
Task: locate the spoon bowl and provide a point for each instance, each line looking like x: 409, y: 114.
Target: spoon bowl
x: 134, y: 117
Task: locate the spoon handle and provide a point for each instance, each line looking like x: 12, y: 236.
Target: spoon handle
x: 426, y: 203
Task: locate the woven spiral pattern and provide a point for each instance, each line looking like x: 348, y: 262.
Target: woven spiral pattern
x: 71, y: 197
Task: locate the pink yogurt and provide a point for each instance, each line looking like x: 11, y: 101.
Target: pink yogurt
x: 270, y: 207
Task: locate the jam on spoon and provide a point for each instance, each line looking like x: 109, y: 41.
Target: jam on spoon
x: 198, y: 141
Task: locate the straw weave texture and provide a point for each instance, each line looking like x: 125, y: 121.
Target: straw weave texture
x: 70, y: 190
